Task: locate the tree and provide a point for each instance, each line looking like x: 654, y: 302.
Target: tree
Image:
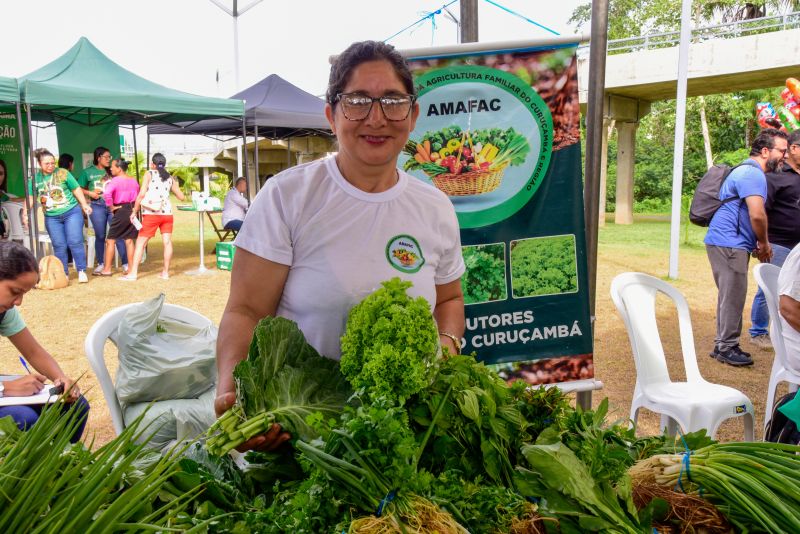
x: 186, y: 175
x: 729, y: 118
x: 141, y: 161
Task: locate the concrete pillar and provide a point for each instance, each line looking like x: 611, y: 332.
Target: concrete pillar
x: 608, y: 127
x: 205, y: 180
x: 626, y: 150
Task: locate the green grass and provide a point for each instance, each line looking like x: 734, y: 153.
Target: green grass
x: 648, y: 233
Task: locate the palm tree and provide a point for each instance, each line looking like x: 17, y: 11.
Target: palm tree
x: 186, y: 174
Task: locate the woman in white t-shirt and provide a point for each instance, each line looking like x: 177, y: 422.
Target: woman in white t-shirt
x: 321, y: 236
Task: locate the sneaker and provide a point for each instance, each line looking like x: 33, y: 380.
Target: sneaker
x: 124, y: 268
x: 98, y: 269
x: 82, y: 278
x: 126, y: 278
x: 733, y: 356
x: 763, y: 342
x: 738, y: 349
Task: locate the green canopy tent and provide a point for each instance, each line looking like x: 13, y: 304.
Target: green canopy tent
x: 12, y: 139
x: 9, y: 92
x: 85, y: 87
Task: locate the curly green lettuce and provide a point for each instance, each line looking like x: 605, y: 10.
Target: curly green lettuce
x: 389, y: 343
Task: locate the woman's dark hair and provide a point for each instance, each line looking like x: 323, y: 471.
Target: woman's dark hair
x: 40, y: 153
x: 65, y: 160
x: 161, y: 165
x: 16, y: 260
x: 99, y: 151
x: 358, y: 53
x: 121, y: 163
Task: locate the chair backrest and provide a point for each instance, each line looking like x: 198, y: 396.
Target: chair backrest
x: 12, y: 212
x: 105, y: 327
x: 766, y: 276
x: 634, y: 295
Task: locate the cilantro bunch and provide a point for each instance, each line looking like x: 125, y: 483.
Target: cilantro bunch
x: 389, y: 343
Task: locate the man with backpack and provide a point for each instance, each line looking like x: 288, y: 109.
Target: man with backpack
x: 783, y: 216
x: 737, y: 229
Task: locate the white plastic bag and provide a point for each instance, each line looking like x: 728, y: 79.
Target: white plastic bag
x: 171, y: 420
x: 162, y: 358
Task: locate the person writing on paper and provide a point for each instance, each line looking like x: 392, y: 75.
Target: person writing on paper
x: 19, y: 273
x: 320, y: 237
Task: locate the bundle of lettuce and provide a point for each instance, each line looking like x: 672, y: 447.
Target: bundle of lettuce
x: 283, y: 380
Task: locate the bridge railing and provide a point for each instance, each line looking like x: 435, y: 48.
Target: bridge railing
x: 740, y: 28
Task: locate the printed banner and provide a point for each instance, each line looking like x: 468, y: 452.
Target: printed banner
x: 499, y: 133
x: 10, y: 162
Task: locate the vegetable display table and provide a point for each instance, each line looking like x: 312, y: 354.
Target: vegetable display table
x: 201, y: 269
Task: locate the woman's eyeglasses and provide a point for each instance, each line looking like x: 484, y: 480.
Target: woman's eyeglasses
x: 357, y: 106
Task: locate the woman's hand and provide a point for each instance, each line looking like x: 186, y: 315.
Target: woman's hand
x: 24, y: 387
x: 274, y: 438
x: 71, y: 389
x: 87, y: 209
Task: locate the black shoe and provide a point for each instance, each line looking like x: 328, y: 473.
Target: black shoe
x: 738, y: 349
x: 733, y: 356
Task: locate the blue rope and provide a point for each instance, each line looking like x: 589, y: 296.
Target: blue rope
x: 686, y: 466
x: 523, y: 17
x: 386, y: 500
x: 422, y: 20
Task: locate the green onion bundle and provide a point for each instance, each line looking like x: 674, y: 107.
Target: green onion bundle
x: 753, y: 484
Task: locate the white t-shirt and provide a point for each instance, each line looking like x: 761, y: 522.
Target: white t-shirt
x: 341, y: 243
x: 789, y: 284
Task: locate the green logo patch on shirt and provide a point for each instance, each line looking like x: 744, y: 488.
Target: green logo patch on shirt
x: 404, y: 254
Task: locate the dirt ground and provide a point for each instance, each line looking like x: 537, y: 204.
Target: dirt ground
x: 61, y: 319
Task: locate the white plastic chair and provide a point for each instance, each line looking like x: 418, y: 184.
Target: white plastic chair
x: 105, y: 327
x: 12, y: 213
x: 766, y: 276
x: 693, y: 404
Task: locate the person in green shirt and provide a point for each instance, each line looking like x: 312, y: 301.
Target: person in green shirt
x: 59, y: 193
x: 19, y: 273
x: 92, y: 181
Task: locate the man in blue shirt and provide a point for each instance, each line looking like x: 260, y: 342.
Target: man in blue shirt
x: 738, y: 228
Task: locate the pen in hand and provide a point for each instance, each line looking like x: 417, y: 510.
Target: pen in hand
x: 24, y: 364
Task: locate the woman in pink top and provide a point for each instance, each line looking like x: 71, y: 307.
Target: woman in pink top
x: 120, y: 194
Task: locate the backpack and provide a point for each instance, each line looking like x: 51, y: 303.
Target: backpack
x: 705, y: 201
x: 51, y: 274
x: 780, y: 428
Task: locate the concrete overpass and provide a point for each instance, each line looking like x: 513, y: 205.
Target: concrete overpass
x: 732, y: 57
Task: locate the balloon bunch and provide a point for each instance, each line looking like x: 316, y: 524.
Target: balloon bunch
x: 787, y: 118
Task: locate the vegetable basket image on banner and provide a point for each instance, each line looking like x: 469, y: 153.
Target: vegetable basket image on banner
x: 466, y: 163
